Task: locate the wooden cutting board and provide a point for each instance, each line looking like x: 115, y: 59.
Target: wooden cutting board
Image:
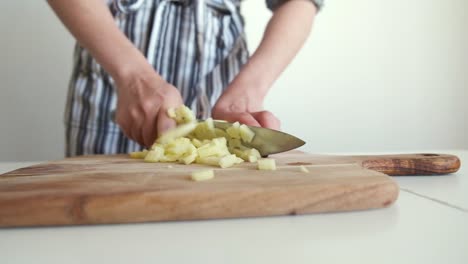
x: 117, y: 189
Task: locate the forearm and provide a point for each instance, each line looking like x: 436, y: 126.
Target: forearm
x: 285, y: 34
x: 92, y: 24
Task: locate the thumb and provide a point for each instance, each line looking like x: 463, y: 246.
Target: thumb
x: 164, y: 122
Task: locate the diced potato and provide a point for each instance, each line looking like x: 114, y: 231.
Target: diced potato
x: 228, y: 161
x: 221, y: 142
x: 156, y: 145
x: 210, y: 124
x: 249, y: 154
x: 246, y: 133
x: 303, y: 168
x: 180, y: 131
x: 233, y: 131
x: 202, y: 175
x: 253, y: 152
x: 212, y: 150
x: 204, y: 130
x: 221, y: 133
x: 234, y: 143
x: 184, y: 115
x: 239, y: 160
x: 217, y: 147
x: 212, y: 160
x: 169, y: 158
x: 179, y: 146
x: 197, y: 143
x: 138, y: 154
x: 266, y: 164
x: 171, y: 113
x: 190, y: 156
x: 154, y: 155
x: 252, y: 158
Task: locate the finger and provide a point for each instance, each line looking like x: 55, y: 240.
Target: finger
x: 242, y: 117
x: 136, y: 135
x: 149, y: 130
x: 267, y: 119
x: 126, y: 126
x: 134, y: 125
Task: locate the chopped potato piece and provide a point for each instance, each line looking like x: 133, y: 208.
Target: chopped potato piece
x: 252, y: 158
x: 180, y: 131
x: 179, y: 147
x: 229, y: 160
x: 171, y: 113
x: 266, y: 164
x: 221, y: 133
x: 233, y: 131
x: 221, y: 142
x: 191, y: 156
x: 214, y: 148
x: 246, y: 133
x: 169, y: 158
x: 303, y: 168
x: 138, y: 154
x: 154, y: 155
x: 253, y: 152
x: 184, y: 115
x: 212, y: 160
x: 234, y: 143
x: 197, y: 143
x: 202, y: 175
x: 251, y: 155
x: 204, y: 130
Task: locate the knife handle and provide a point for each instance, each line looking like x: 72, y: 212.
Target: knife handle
x: 410, y: 164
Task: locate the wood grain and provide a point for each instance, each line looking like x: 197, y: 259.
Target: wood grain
x: 397, y: 164
x: 116, y: 189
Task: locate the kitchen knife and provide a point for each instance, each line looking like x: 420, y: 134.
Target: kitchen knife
x: 267, y: 141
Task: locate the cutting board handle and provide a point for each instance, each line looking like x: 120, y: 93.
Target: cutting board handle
x: 411, y: 164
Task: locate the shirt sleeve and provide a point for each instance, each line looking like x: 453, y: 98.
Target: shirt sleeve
x: 273, y: 4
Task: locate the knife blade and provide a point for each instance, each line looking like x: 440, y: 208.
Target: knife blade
x: 267, y: 141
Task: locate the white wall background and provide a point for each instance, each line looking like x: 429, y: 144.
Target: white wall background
x: 375, y: 76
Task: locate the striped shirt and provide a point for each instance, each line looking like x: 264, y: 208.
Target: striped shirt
x: 200, y: 59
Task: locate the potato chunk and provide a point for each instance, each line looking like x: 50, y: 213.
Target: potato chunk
x: 246, y: 133
x: 155, y: 154
x: 266, y: 164
x: 202, y: 175
x: 233, y: 131
x: 138, y: 154
x: 303, y: 169
x: 229, y: 161
x: 180, y: 131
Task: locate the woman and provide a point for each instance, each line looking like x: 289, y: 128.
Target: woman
x: 137, y: 58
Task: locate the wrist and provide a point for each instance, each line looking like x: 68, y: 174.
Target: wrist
x: 132, y: 72
x: 129, y: 65
x: 249, y: 84
x: 241, y: 97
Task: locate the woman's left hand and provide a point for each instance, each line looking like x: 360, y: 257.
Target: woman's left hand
x: 247, y: 109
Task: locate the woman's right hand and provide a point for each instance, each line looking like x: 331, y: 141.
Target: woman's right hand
x: 143, y: 100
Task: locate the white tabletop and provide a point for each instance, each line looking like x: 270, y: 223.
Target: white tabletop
x: 427, y: 224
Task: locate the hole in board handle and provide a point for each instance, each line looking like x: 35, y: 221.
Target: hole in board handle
x: 430, y: 155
